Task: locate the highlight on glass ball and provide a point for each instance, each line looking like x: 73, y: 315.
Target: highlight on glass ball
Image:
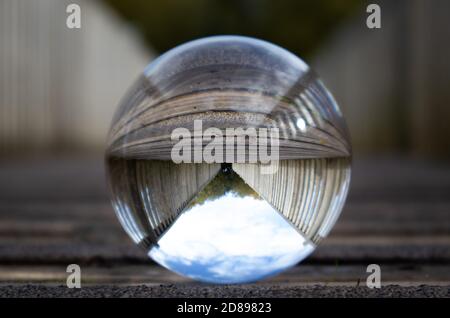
x: 228, y: 160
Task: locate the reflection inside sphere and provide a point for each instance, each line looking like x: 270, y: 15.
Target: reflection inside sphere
x: 228, y: 220
x: 242, y: 237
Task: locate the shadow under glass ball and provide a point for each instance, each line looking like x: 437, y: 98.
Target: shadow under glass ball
x: 225, y: 221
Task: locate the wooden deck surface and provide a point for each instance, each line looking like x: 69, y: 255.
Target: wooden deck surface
x: 56, y: 211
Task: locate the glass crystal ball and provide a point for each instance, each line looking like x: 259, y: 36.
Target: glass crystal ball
x: 228, y: 160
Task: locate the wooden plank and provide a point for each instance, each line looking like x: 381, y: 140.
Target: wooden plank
x: 305, y: 274
x: 55, y: 211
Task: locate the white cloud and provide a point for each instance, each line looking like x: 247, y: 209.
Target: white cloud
x: 233, y: 238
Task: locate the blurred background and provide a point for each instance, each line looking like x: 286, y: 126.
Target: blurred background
x: 59, y: 88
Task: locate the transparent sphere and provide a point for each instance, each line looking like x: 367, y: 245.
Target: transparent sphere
x: 228, y: 160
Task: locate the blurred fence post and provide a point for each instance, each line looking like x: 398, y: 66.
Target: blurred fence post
x: 393, y: 83
x: 59, y: 87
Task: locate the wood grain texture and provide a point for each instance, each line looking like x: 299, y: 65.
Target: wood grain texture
x: 308, y: 193
x: 54, y: 212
